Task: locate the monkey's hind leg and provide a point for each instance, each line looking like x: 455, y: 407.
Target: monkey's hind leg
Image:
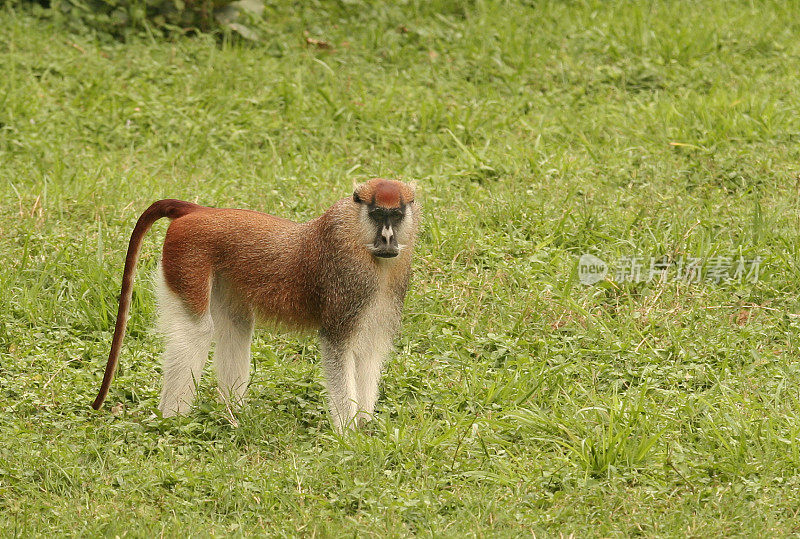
x: 188, y: 340
x: 233, y: 333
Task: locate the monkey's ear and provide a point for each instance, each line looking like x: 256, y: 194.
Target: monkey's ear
x: 412, y: 185
x: 356, y: 198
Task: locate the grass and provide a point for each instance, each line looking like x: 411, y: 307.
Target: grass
x: 519, y: 401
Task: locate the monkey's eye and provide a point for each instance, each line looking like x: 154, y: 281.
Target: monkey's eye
x: 381, y: 215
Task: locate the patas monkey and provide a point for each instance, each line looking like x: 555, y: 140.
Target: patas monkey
x: 344, y: 274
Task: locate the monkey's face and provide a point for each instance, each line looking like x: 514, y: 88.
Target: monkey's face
x: 385, y: 214
x: 385, y: 222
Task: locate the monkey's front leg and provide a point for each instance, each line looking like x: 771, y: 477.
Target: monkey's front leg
x: 339, y: 364
x: 368, y: 375
x: 370, y: 352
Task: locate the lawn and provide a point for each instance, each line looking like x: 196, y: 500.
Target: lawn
x: 519, y: 400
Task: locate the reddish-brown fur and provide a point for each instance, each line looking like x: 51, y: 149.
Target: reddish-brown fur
x: 386, y: 193
x: 284, y: 271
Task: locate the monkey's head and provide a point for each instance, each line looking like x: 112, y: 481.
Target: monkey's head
x: 386, y: 210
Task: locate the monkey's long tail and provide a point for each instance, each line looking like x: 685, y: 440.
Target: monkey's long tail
x: 163, y: 208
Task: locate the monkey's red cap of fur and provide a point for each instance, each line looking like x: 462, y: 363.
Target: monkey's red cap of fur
x: 385, y: 193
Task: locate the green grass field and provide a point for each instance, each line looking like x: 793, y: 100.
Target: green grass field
x: 519, y: 401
